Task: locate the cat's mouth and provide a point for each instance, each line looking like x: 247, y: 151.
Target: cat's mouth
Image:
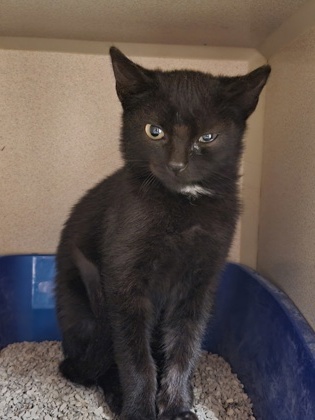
x: 174, y: 181
x: 179, y: 182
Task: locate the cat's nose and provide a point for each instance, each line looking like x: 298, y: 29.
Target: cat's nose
x: 177, y: 166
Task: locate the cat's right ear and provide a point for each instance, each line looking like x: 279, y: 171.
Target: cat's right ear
x: 131, y: 79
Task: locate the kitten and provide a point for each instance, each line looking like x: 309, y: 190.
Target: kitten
x: 139, y: 256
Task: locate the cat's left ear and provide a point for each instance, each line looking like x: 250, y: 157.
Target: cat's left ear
x: 131, y: 79
x: 246, y: 89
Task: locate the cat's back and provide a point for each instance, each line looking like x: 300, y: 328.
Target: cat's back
x: 85, y: 224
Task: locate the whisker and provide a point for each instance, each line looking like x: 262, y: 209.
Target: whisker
x: 148, y: 183
x: 222, y: 176
x: 145, y: 183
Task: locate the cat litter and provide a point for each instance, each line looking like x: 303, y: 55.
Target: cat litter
x: 32, y: 388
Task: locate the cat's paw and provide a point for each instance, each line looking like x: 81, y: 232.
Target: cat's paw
x: 137, y: 416
x: 185, y: 415
x: 114, y: 402
x: 70, y: 370
x: 110, y: 384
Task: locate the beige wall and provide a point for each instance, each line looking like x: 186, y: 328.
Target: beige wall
x: 287, y: 220
x: 60, y: 123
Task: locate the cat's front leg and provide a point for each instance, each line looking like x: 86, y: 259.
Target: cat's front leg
x: 131, y: 320
x: 183, y: 329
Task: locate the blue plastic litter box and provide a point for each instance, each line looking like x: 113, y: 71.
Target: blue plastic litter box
x: 255, y: 327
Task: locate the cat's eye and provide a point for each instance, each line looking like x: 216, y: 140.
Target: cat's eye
x: 208, y: 138
x: 154, y: 132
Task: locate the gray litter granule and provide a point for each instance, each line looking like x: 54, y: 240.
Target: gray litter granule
x: 32, y: 388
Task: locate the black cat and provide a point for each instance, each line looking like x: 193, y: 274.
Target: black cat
x: 140, y: 254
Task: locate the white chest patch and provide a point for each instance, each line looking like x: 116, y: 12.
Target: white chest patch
x: 195, y: 191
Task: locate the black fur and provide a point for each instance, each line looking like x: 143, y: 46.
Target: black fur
x: 140, y: 253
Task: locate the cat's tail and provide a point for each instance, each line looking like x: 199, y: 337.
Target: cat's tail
x: 91, y: 279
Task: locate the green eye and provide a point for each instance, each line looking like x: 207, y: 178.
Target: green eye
x: 208, y: 138
x: 154, y: 132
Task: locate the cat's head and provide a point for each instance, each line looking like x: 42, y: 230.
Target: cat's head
x: 184, y: 127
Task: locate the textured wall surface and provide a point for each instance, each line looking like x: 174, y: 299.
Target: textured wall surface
x: 287, y: 222
x: 245, y: 23
x: 60, y: 122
